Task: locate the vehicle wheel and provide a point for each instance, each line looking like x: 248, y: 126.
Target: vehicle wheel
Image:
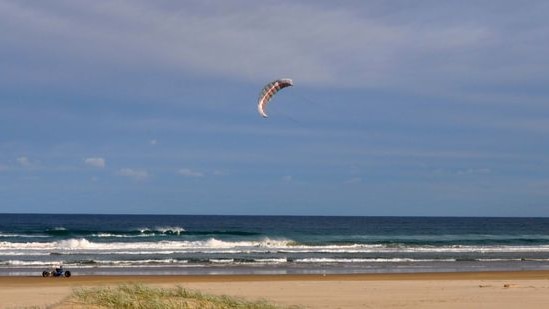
x: 67, y: 274
x: 45, y: 273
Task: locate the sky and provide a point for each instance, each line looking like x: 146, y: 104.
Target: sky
x: 399, y: 108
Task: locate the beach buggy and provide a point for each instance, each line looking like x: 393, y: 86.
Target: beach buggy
x: 57, y: 272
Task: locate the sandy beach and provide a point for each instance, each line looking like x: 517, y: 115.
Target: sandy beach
x: 424, y: 290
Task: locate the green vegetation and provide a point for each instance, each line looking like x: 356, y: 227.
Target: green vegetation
x: 140, y: 296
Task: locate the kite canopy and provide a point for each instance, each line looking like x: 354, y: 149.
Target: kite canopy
x: 269, y: 91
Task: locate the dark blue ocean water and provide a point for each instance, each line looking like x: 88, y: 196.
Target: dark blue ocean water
x: 171, y: 244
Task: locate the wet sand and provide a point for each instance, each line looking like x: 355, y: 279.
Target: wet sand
x: 528, y: 289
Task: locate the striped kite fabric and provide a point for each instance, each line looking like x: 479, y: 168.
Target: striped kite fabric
x: 269, y: 91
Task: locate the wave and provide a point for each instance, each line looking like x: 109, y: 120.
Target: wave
x: 25, y: 253
x: 30, y: 263
x: 84, y: 244
x: 369, y: 260
x: 158, y: 231
x: 138, y: 232
x: 175, y: 232
x: 431, y: 240
x: 11, y: 235
x: 138, y: 262
x: 444, y: 237
x: 120, y: 263
x: 250, y: 262
x: 213, y: 245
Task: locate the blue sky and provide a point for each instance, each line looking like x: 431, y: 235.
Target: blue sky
x: 399, y: 107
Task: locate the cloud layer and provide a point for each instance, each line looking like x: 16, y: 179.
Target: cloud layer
x: 439, y: 48
x: 400, y: 107
x: 136, y: 174
x: 189, y: 173
x: 95, y: 162
x: 23, y: 161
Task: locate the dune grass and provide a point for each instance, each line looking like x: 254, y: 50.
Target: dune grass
x: 140, y: 296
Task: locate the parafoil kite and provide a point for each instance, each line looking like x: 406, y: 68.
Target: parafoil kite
x: 269, y: 91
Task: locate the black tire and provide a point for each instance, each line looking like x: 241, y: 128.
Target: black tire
x: 67, y: 274
x: 45, y: 273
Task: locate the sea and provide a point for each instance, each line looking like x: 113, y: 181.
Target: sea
x: 213, y: 245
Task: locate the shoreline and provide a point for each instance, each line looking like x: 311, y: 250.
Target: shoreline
x: 467, y: 275
x: 502, y: 289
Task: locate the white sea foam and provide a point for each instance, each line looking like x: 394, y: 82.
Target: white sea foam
x: 214, y: 245
x: 162, y: 230
x: 171, y: 229
x: 139, y: 262
x: 72, y: 244
x: 445, y: 237
x: 114, y: 235
x: 271, y: 261
x: 110, y: 235
x: 221, y: 261
x: 76, y: 244
x: 376, y: 260
x: 25, y: 253
x: 229, y: 261
x: 9, y: 235
x: 23, y: 235
x: 265, y: 261
x: 30, y: 263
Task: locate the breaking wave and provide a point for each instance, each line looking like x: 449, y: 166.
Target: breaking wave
x: 214, y: 245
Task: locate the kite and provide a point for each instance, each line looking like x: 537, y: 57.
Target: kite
x: 269, y: 91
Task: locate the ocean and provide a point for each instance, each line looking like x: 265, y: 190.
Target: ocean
x: 188, y: 244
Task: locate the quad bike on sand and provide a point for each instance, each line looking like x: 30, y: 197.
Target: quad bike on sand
x: 56, y: 272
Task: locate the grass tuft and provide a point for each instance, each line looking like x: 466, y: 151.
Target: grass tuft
x: 137, y: 296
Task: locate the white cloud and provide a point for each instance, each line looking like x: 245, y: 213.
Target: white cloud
x: 354, y: 180
x: 136, y: 174
x: 461, y: 172
x: 23, y: 161
x: 473, y: 171
x: 95, y: 162
x: 219, y: 173
x: 423, y: 48
x: 189, y: 173
x: 153, y: 142
x: 287, y: 178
